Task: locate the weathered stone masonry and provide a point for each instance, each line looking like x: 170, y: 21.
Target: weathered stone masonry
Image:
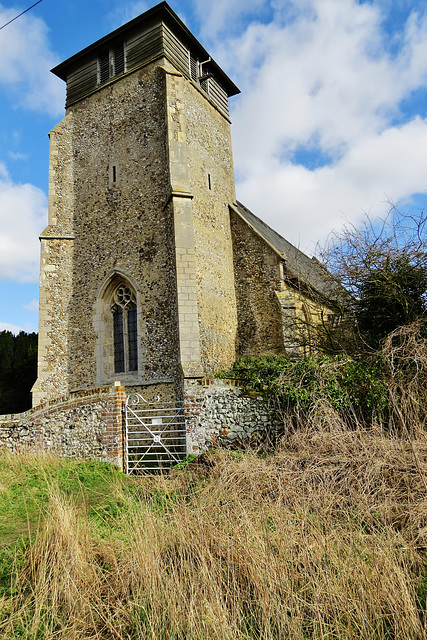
x: 141, y: 177
x: 92, y: 424
x: 82, y: 425
x: 218, y: 412
x: 151, y: 272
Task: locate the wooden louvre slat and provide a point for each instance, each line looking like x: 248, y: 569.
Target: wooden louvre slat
x: 218, y: 95
x: 88, y: 73
x: 176, y: 51
x: 104, y: 67
x: 82, y: 82
x: 143, y: 48
x: 119, y: 59
x: 143, y: 35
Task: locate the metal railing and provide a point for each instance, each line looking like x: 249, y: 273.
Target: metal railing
x: 155, y: 434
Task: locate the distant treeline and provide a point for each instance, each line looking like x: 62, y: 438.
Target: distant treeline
x: 18, y: 370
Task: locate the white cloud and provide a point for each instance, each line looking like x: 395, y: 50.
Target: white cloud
x: 17, y: 155
x: 26, y: 60
x: 321, y: 76
x: 13, y: 328
x: 32, y: 306
x: 127, y: 11
x: 224, y: 15
x: 23, y: 214
x: 306, y: 205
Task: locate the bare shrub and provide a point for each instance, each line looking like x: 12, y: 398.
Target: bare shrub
x: 405, y: 355
x: 383, y: 266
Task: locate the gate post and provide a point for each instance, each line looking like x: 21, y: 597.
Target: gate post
x: 113, y: 439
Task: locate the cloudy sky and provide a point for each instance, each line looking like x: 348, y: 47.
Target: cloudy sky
x: 331, y: 121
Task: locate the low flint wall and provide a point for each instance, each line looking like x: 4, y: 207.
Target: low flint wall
x: 91, y: 424
x: 218, y: 412
x: 82, y: 425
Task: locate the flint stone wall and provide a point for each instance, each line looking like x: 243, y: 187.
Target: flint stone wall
x: 91, y: 424
x: 83, y: 425
x: 218, y: 412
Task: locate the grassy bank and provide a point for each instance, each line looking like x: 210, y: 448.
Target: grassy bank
x: 324, y: 539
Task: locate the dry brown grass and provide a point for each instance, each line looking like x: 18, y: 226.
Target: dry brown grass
x: 405, y: 353
x: 324, y: 539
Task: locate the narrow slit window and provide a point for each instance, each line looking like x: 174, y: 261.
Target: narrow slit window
x: 209, y: 182
x: 113, y: 175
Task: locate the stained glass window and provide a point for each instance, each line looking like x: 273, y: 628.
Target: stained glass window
x: 124, y: 312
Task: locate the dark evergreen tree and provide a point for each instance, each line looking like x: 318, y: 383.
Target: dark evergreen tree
x: 18, y: 370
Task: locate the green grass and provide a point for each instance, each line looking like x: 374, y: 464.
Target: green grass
x: 26, y: 487
x: 26, y: 484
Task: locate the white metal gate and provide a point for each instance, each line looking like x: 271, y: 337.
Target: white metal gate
x: 155, y: 434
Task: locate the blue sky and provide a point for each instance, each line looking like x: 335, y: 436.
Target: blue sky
x: 331, y: 121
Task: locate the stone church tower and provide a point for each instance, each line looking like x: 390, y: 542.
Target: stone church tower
x: 153, y: 276
x: 137, y: 280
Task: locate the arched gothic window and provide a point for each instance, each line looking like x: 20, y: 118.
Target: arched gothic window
x: 125, y: 334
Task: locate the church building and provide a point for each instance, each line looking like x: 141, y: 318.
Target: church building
x: 152, y: 272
